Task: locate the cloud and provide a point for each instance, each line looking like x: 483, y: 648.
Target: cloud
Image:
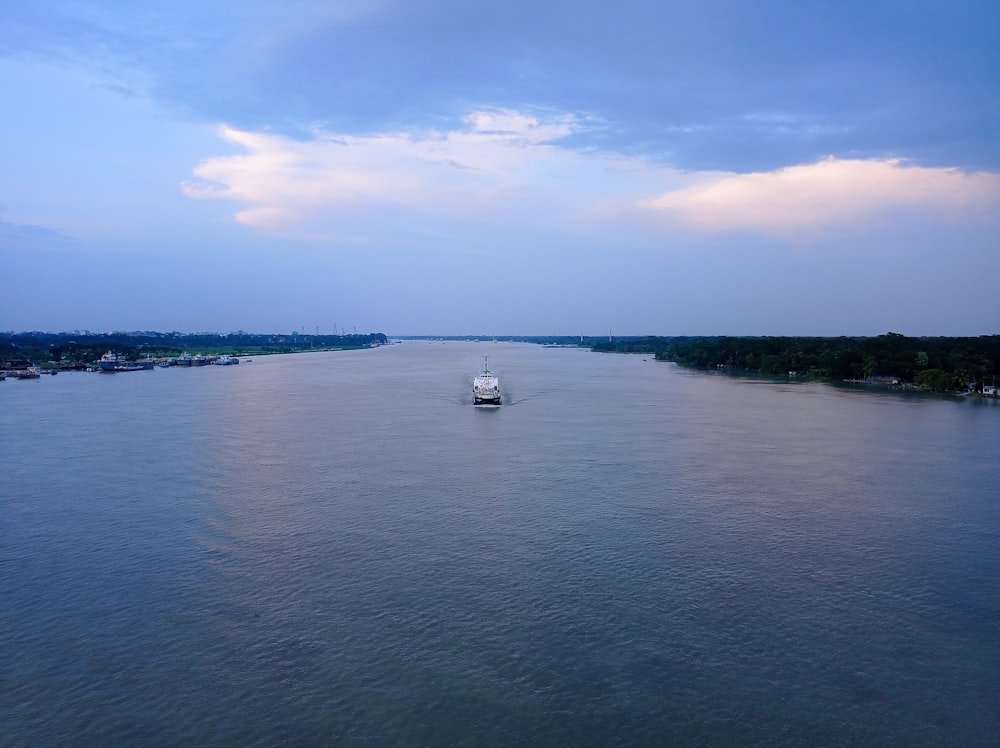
x: 497, y: 165
x: 525, y: 128
x: 24, y: 235
x: 506, y: 168
x: 827, y: 193
x: 716, y: 84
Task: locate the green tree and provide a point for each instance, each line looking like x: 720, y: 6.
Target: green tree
x: 937, y: 380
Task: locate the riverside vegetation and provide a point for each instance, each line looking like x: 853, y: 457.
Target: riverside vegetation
x: 940, y: 364
x: 78, y: 349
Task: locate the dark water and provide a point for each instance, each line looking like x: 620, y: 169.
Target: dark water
x: 337, y: 548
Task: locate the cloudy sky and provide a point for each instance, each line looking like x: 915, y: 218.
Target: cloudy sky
x: 543, y: 167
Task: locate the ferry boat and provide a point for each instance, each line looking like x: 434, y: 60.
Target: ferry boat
x: 486, y: 386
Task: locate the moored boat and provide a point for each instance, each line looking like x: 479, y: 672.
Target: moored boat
x: 109, y: 362
x: 486, y: 386
x: 112, y: 362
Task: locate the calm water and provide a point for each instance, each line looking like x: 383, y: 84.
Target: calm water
x: 337, y: 548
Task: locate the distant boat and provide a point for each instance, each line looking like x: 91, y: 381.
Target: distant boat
x: 184, y: 360
x: 226, y: 361
x: 109, y: 362
x: 486, y: 386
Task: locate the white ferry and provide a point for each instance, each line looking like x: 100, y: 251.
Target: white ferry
x: 486, y: 386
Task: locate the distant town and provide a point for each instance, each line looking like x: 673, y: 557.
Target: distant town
x: 958, y: 365
x: 30, y: 354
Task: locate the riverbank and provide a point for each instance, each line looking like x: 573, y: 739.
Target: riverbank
x: 79, y: 351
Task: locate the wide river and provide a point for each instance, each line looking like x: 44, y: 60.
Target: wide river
x: 339, y: 549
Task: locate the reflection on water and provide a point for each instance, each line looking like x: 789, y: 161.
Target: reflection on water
x: 337, y: 547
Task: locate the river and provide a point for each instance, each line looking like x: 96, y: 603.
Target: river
x: 338, y: 548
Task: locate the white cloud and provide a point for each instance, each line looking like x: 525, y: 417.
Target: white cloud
x: 526, y: 128
x: 828, y: 193
x: 501, y: 166
x: 506, y: 168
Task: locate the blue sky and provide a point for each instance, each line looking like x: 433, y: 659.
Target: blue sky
x: 453, y: 167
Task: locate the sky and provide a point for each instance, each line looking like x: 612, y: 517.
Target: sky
x: 457, y: 167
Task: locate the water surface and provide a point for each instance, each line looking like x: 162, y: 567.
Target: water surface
x: 338, y: 548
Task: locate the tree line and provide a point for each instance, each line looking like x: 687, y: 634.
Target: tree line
x: 937, y: 363
x: 70, y: 349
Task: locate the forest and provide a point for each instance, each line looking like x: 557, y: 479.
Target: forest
x: 937, y: 363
